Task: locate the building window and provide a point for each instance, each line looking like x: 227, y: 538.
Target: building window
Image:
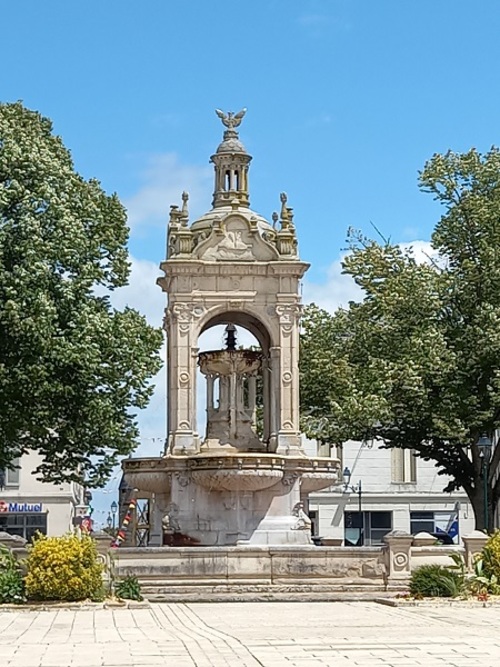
x: 24, y: 525
x: 366, y: 528
x: 313, y: 515
x: 9, y: 477
x: 403, y: 466
x: 445, y: 524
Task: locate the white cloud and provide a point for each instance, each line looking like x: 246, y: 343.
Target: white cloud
x: 422, y: 251
x: 337, y: 291
x: 164, y: 180
x: 142, y: 292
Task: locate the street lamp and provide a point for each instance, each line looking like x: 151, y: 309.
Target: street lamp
x: 356, y: 489
x: 109, y: 521
x: 484, y: 446
x: 114, y: 510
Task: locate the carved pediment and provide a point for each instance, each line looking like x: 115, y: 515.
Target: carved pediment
x: 236, y: 239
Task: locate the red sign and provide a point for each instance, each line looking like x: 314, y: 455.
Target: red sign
x: 4, y: 507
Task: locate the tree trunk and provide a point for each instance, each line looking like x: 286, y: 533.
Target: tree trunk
x: 478, y: 502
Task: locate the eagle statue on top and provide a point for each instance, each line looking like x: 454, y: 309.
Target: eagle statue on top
x: 230, y: 119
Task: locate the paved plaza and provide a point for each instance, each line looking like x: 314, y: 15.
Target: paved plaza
x: 265, y: 634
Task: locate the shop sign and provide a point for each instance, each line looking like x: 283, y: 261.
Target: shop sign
x: 16, y: 507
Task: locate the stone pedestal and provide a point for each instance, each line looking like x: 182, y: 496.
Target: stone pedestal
x: 217, y: 500
x: 397, y: 546
x: 473, y: 544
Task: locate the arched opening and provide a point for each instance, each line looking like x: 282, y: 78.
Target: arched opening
x: 234, y: 407
x: 244, y: 320
x: 227, y: 181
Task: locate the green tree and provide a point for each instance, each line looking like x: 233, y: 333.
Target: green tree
x: 72, y: 368
x: 417, y: 361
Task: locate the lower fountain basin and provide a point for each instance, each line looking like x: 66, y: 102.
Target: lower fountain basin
x: 149, y: 474
x: 316, y: 481
x: 247, y: 472
x: 236, y: 480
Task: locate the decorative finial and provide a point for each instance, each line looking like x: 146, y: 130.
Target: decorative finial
x: 230, y: 337
x: 174, y: 214
x: 284, y: 210
x: 275, y: 218
x: 184, y: 215
x: 231, y: 120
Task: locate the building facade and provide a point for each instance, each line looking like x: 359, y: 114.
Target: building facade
x: 28, y: 506
x: 384, y: 490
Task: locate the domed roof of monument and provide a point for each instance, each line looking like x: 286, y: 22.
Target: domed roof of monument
x: 207, y: 219
x: 230, y: 231
x: 231, y: 162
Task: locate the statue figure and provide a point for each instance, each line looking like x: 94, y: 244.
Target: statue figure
x: 303, y: 521
x: 231, y: 120
x: 232, y: 246
x: 169, y: 520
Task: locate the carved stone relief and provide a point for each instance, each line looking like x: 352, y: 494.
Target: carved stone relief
x: 236, y: 239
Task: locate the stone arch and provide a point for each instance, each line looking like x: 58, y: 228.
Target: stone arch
x: 243, y: 318
x: 254, y: 324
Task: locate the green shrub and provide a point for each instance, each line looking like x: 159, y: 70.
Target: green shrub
x: 128, y: 589
x: 481, y: 582
x: 491, y: 556
x: 64, y: 568
x: 435, y: 581
x: 11, y: 578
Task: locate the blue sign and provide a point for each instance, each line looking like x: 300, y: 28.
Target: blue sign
x: 20, y: 507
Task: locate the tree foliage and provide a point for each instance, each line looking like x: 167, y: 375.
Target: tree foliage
x: 417, y: 361
x: 72, y: 368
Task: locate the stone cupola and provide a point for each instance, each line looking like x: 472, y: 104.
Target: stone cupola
x: 231, y: 163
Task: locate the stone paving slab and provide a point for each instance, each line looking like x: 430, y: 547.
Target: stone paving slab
x: 307, y: 634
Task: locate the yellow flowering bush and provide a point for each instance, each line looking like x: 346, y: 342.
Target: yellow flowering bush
x: 491, y: 555
x: 64, y: 568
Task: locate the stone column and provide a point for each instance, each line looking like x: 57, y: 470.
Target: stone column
x: 474, y: 544
x: 266, y: 398
x: 210, y: 393
x: 397, y: 545
x: 289, y: 432
x: 275, y: 395
x: 181, y: 398
x: 252, y: 397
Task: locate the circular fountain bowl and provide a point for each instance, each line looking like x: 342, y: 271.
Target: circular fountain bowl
x: 315, y: 481
x: 236, y: 480
x: 147, y: 474
x: 247, y: 472
x: 227, y: 362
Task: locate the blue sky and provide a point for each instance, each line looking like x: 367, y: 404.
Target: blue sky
x: 346, y: 101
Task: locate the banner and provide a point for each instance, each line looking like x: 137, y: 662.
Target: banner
x: 122, y: 532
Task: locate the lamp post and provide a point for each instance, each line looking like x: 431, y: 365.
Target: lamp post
x: 484, y: 446
x: 114, y: 510
x: 356, y: 489
x: 109, y: 521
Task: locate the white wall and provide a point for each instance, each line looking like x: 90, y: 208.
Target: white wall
x: 58, y: 500
x: 372, y: 466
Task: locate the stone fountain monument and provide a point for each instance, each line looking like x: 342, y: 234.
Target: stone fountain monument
x: 243, y: 481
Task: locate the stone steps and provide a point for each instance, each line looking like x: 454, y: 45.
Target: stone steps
x: 158, y: 592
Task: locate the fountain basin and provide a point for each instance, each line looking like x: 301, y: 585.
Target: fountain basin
x: 232, y: 473
x: 229, y: 362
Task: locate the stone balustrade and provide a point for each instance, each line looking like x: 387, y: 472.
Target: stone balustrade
x: 185, y: 571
